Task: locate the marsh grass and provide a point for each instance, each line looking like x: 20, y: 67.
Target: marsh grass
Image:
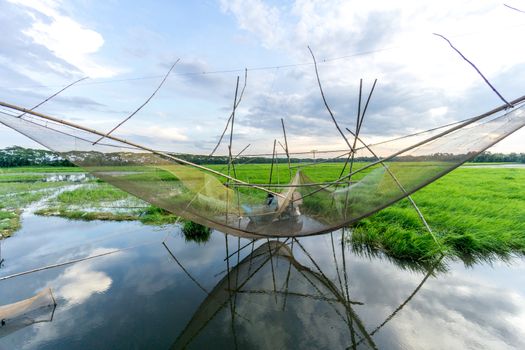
x: 476, y: 214
x: 196, y: 232
x: 92, y: 195
x: 16, y: 193
x: 9, y: 222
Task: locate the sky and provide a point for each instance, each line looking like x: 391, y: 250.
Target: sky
x: 125, y: 47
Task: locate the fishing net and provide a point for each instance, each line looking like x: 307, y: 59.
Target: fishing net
x: 38, y: 308
x: 268, y: 282
x: 308, y: 200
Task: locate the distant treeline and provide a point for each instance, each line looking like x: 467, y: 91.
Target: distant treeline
x: 19, y: 156
x: 488, y: 157
x: 202, y: 159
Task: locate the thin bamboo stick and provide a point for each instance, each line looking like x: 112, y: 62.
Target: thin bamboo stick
x: 286, y: 149
x: 326, y: 103
x: 271, y: 167
x: 55, y: 94
x: 513, y: 8
x: 142, y: 105
x: 477, y: 70
x: 233, y: 122
x: 231, y: 115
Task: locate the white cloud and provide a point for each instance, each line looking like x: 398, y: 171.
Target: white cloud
x: 426, y: 82
x: 165, y: 133
x: 257, y: 17
x: 80, y: 281
x: 65, y: 37
x: 339, y: 27
x: 438, y: 111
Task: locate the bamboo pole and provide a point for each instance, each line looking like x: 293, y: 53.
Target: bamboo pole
x: 233, y: 122
x: 408, y: 299
x: 230, y: 161
x: 514, y: 8
x: 74, y: 261
x: 184, y: 269
x: 286, y: 149
x: 271, y: 167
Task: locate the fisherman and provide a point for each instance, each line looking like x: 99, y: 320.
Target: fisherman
x: 271, y: 201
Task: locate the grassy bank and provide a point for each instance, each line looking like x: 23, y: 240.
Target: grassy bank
x: 475, y: 214
x: 102, y: 201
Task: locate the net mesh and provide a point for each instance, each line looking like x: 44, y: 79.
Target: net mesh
x: 267, y: 282
x: 38, y: 308
x: 318, y: 197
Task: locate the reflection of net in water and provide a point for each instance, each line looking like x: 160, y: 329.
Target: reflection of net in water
x: 308, y: 204
x: 269, y: 299
x: 39, y: 308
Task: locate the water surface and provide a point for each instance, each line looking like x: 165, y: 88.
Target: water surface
x: 158, y: 291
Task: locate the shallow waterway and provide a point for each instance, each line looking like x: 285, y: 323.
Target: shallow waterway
x: 154, y: 290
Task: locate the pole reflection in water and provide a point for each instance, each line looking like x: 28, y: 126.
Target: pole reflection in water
x: 271, y: 299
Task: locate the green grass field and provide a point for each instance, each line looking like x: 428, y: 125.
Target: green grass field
x: 475, y: 213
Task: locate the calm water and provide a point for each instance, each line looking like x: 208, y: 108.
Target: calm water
x: 277, y: 295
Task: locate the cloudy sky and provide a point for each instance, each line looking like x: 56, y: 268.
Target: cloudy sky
x: 125, y: 47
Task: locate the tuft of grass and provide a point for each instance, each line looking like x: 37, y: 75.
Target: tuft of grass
x: 157, y: 216
x: 9, y: 222
x: 196, y: 232
x: 89, y: 195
